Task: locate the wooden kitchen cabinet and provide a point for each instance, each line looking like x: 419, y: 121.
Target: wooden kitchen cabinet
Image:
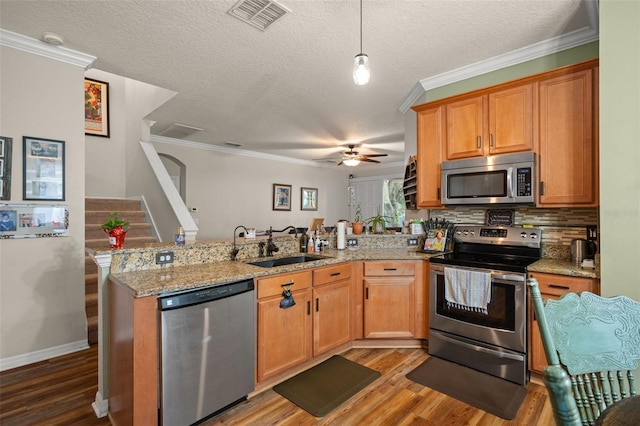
x: 497, y: 122
x: 318, y: 322
x: 465, y: 128
x: 568, y: 149
x: 394, y: 299
x: 332, y: 307
x: 552, y: 287
x: 284, y: 335
x: 430, y: 142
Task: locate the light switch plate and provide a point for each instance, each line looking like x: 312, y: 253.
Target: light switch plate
x: 592, y: 232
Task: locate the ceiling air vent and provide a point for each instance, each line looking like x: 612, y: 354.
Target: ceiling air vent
x: 258, y: 13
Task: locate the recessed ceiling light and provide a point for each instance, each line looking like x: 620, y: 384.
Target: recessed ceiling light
x: 52, y: 38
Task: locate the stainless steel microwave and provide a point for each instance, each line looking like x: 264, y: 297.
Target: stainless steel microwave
x: 498, y: 179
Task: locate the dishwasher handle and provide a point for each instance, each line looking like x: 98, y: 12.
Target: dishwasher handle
x: 203, y: 295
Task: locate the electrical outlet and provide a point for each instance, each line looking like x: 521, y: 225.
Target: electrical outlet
x: 412, y: 242
x: 352, y: 242
x: 592, y: 232
x: 164, y: 257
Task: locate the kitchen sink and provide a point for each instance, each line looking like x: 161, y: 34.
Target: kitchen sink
x: 270, y: 263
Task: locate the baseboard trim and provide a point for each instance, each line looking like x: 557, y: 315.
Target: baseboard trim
x: 42, y: 355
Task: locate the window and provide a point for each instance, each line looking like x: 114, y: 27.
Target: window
x: 393, y: 207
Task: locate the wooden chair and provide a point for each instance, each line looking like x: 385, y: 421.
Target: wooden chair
x: 592, y: 346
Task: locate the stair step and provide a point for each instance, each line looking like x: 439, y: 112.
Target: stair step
x: 98, y: 217
x: 91, y: 305
x: 111, y: 204
x: 93, y: 232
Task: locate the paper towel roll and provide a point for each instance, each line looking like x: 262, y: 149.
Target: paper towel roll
x: 342, y: 238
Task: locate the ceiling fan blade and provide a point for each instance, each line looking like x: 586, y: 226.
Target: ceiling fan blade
x: 373, y: 155
x: 369, y: 160
x: 340, y: 163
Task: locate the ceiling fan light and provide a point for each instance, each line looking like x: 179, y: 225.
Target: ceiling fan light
x: 361, y: 72
x: 351, y: 162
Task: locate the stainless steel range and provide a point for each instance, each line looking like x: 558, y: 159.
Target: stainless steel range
x: 477, y: 299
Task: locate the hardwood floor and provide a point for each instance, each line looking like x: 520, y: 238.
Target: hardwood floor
x: 60, y: 392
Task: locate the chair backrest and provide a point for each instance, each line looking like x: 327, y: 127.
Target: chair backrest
x: 592, y: 346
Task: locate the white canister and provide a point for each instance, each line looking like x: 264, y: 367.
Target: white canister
x: 416, y: 228
x: 341, y: 237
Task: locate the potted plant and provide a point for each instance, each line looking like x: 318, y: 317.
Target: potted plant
x: 357, y: 224
x: 378, y: 223
x: 115, y: 228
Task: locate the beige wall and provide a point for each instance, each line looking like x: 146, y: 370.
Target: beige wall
x: 620, y: 147
x: 230, y: 190
x: 42, y: 280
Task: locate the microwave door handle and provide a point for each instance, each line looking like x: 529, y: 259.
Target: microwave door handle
x: 510, y: 182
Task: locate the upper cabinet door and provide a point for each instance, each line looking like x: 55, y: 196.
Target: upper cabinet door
x: 510, y: 120
x: 568, y: 169
x: 430, y: 141
x: 465, y: 128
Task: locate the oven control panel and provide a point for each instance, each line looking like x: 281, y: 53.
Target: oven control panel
x: 509, y: 235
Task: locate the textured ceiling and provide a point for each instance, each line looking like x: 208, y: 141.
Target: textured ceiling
x: 288, y: 90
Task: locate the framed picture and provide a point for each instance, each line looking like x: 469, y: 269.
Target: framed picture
x: 96, y: 108
x: 308, y: 198
x: 281, y: 197
x: 43, y: 169
x: 5, y: 167
x: 436, y: 240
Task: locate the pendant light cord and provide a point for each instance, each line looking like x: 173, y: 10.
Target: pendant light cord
x: 361, y: 27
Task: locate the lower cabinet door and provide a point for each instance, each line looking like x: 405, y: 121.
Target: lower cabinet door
x: 332, y: 319
x: 389, y: 307
x: 284, y: 335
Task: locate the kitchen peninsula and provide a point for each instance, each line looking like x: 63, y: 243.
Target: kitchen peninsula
x: 135, y: 282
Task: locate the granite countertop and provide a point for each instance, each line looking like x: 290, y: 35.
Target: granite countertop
x: 178, y: 278
x: 209, y: 273
x: 564, y: 267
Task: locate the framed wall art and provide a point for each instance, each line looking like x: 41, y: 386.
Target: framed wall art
x: 33, y: 221
x: 5, y: 167
x: 309, y: 199
x: 43, y: 169
x: 96, y: 108
x: 281, y: 197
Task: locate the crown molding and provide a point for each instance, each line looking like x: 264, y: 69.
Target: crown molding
x: 557, y: 44
x: 255, y: 154
x: 37, y: 47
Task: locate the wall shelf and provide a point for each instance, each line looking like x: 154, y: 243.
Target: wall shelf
x: 409, y: 188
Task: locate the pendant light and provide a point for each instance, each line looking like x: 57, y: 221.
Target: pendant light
x: 361, y: 73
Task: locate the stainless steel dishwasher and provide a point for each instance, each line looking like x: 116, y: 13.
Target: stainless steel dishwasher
x: 207, y: 351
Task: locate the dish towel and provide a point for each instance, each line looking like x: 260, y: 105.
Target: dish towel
x: 468, y: 290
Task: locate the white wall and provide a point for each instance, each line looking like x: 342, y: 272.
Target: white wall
x: 620, y: 147
x: 104, y: 159
x: 42, y: 279
x: 230, y: 190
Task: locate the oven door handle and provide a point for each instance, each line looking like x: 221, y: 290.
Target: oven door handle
x: 508, y: 277
x: 488, y: 351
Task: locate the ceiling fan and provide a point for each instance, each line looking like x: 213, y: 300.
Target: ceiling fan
x: 353, y: 158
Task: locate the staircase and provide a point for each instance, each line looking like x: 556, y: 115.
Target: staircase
x: 97, y: 211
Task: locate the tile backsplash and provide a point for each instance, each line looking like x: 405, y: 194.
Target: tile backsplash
x: 559, y: 226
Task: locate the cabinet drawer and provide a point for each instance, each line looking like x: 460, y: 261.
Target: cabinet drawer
x: 557, y: 285
x: 389, y: 268
x: 272, y: 286
x: 331, y: 274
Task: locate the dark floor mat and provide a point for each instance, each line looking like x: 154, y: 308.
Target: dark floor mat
x: 491, y: 394
x: 327, y: 385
